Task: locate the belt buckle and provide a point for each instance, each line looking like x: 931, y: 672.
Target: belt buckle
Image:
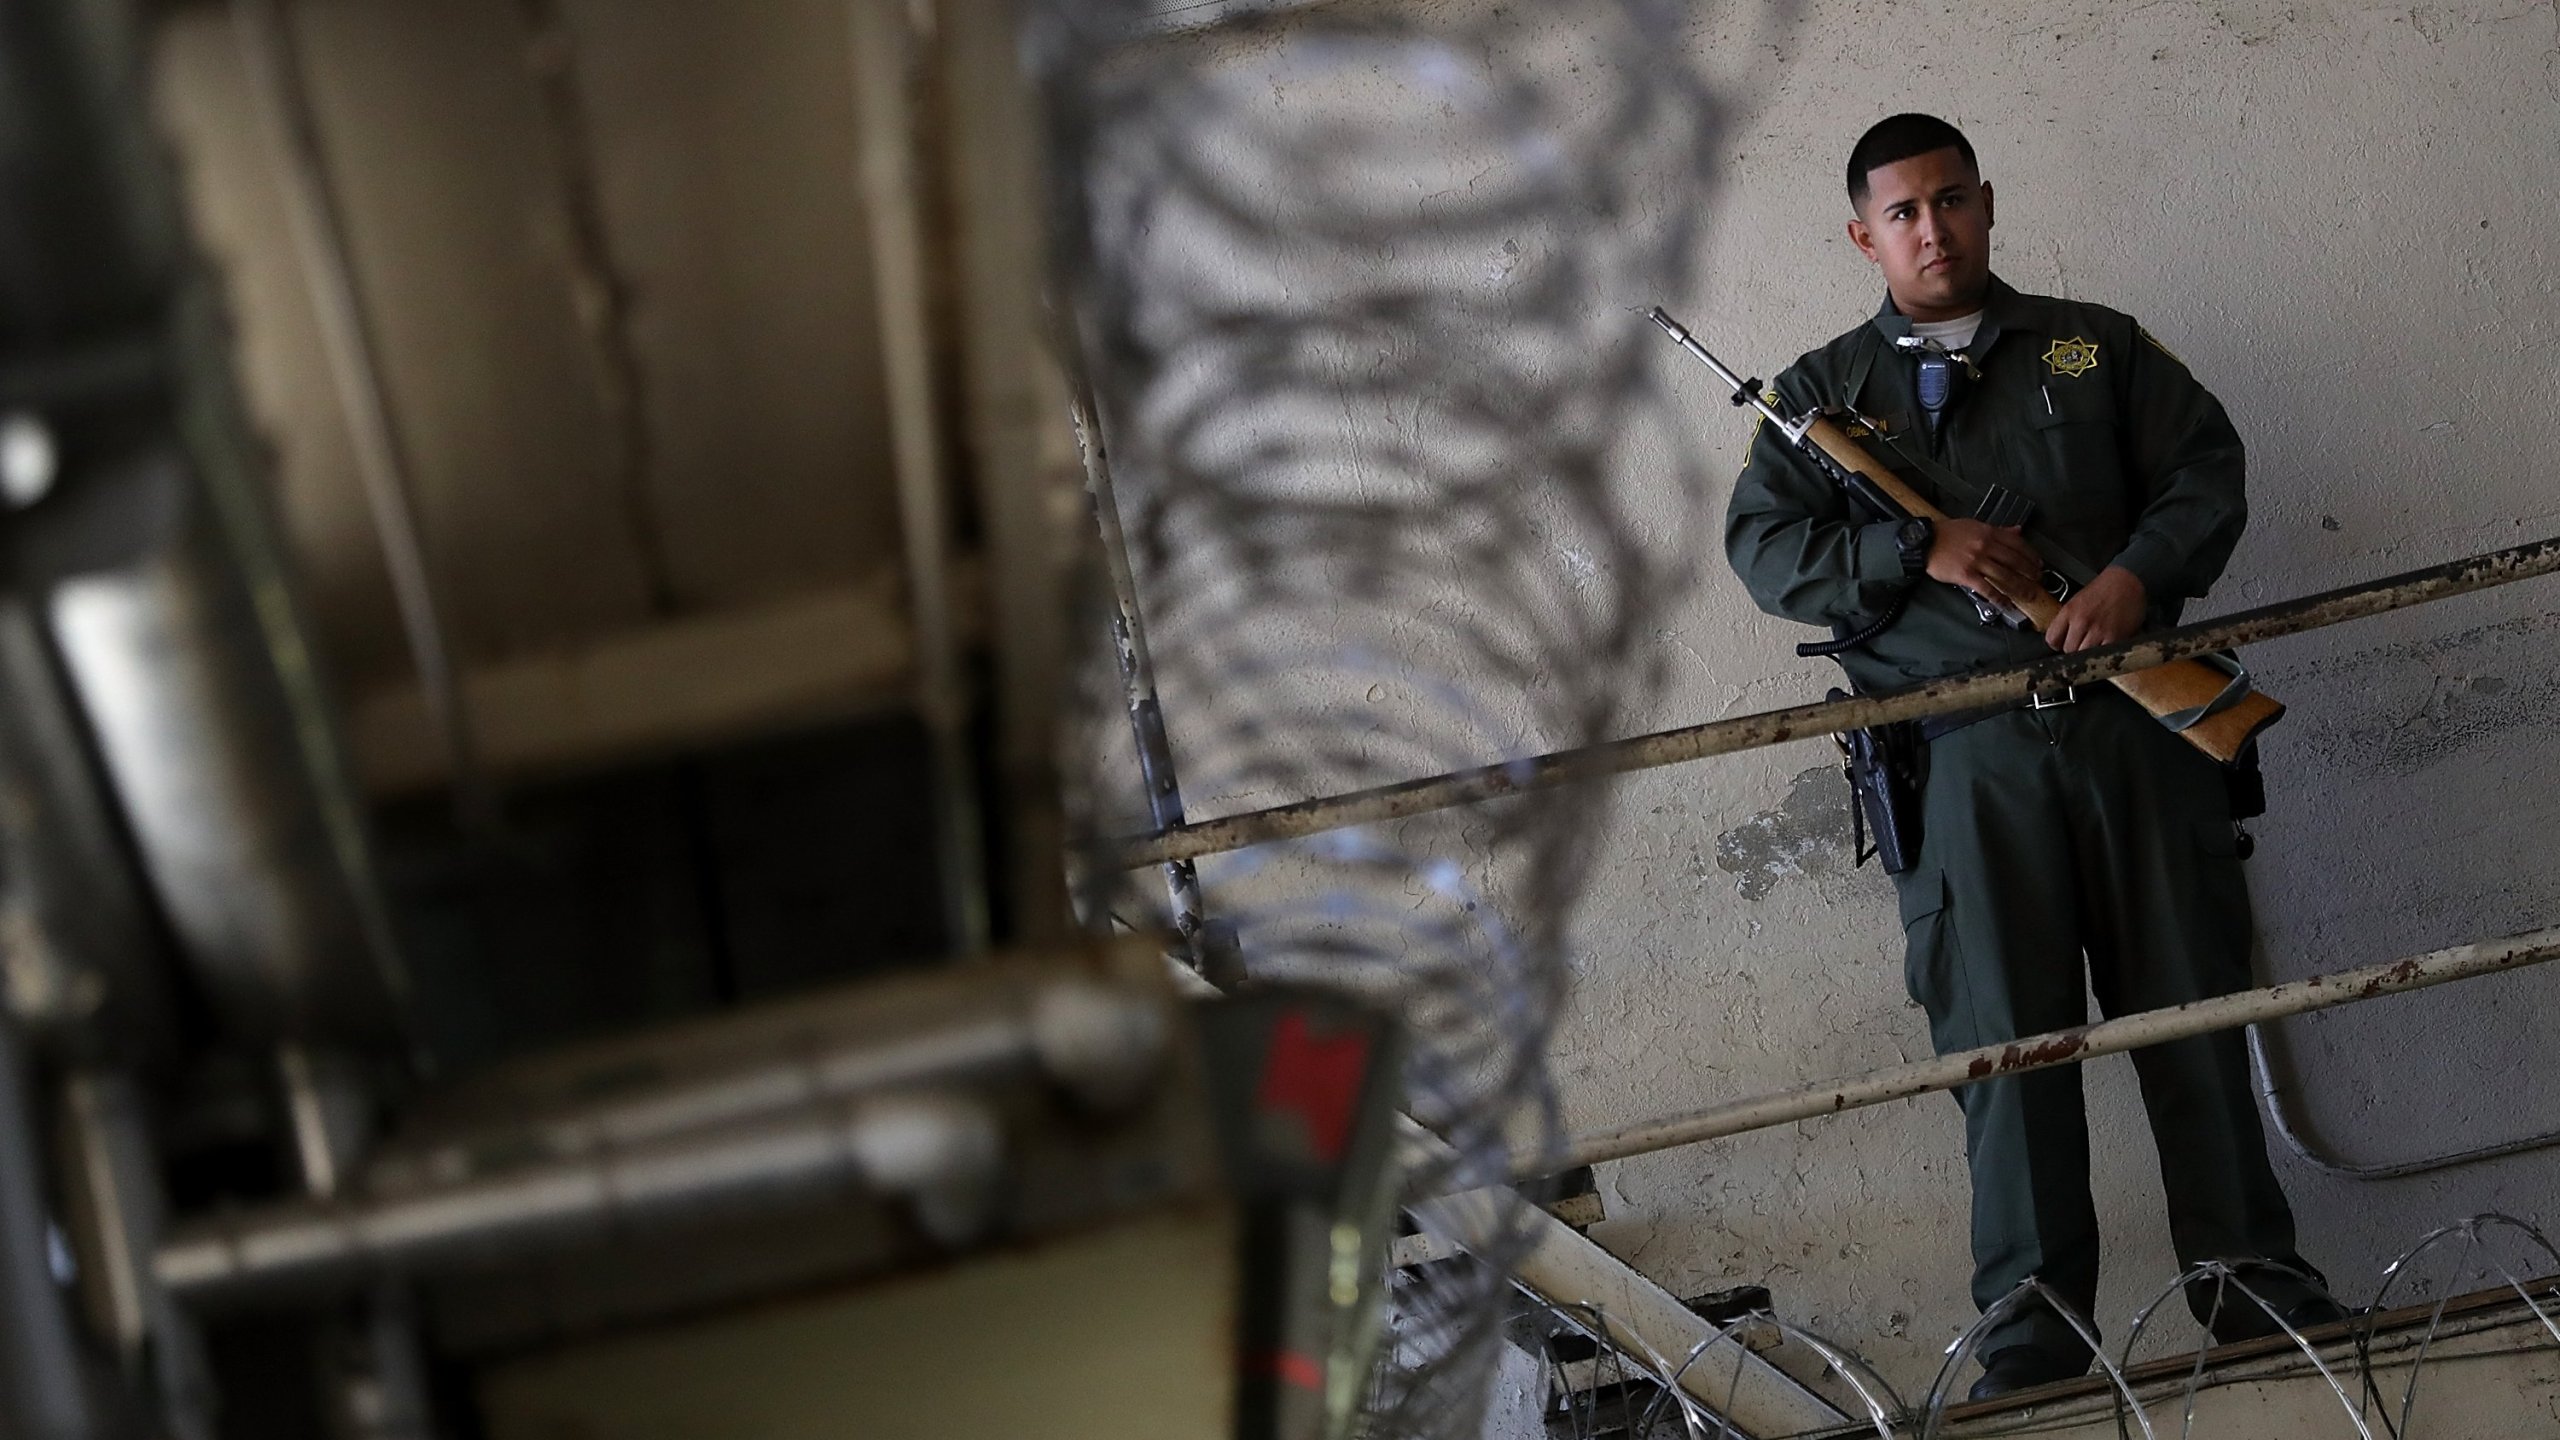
x: 2070, y: 695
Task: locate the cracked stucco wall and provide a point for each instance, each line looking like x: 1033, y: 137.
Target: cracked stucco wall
x: 2339, y: 216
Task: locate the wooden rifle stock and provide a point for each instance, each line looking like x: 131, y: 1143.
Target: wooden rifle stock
x: 2163, y: 690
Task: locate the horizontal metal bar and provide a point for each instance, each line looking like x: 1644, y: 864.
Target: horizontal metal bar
x: 940, y: 1150
x: 1099, y: 1040
x: 994, y: 1047
x: 2058, y: 1047
x: 887, y: 1089
x: 1773, y: 727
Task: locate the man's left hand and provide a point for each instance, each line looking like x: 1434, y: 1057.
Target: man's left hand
x: 2109, y: 610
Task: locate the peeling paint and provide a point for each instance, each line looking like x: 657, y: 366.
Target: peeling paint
x: 1808, y: 834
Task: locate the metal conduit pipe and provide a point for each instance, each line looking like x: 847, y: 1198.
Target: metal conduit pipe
x: 2280, y: 1118
x: 942, y: 1152
x: 2059, y: 1047
x: 90, y: 975
x: 203, y: 750
x: 1101, y: 1043
x: 182, y: 639
x: 1774, y: 727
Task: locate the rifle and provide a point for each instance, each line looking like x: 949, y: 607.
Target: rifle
x: 2215, y: 709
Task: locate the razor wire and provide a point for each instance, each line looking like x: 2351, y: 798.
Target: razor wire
x: 1633, y: 1394
x: 1350, y: 288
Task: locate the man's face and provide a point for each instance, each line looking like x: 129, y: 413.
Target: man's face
x: 1926, y: 224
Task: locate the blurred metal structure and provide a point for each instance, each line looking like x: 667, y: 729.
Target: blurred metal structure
x: 1023, y: 475
x: 43, y: 1378
x: 891, y: 65
x: 235, y: 833
x: 274, y: 62
x: 182, y: 639
x: 875, y: 1091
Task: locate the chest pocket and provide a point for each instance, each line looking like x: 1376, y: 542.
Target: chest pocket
x: 2072, y: 452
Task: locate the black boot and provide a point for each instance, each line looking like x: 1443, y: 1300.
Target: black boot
x: 2023, y: 1367
x: 2248, y: 1320
x: 2294, y: 1291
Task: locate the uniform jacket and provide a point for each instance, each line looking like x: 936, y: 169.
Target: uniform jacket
x: 2128, y: 460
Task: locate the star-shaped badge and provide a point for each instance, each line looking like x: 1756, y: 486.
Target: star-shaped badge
x: 2074, y: 357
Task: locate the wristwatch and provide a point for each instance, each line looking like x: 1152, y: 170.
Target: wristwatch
x: 1911, y: 540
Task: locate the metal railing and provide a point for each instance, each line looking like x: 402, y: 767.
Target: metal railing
x: 1176, y: 844
x: 1949, y: 696
x: 2060, y: 1047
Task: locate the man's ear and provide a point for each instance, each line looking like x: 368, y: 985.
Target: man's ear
x: 1986, y: 205
x: 1865, y: 242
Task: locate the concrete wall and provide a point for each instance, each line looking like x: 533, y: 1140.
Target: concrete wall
x: 2338, y: 216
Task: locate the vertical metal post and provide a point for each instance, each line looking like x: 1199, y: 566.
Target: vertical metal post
x: 115, y: 1214
x: 1213, y: 951
x: 886, y: 65
x: 1024, y: 494
x: 274, y: 64
x: 374, y: 1371
x: 379, y: 1391
x: 42, y: 1392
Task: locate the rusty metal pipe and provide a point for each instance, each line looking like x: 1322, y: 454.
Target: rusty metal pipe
x: 2058, y: 1047
x: 1774, y: 727
x: 1144, y: 706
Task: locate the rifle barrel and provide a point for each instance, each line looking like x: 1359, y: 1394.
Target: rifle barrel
x: 1745, y: 392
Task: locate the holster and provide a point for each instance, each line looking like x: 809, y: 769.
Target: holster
x: 1887, y: 766
x: 2247, y: 784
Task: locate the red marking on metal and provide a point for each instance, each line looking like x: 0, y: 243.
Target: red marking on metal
x: 1317, y: 1077
x: 2059, y: 1048
x: 2027, y: 1057
x: 1290, y: 1368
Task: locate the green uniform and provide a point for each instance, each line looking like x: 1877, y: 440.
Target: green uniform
x: 2048, y: 835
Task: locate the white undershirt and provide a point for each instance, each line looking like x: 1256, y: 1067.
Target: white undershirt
x: 1954, y: 334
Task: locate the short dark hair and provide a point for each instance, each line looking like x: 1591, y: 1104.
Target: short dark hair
x: 1899, y: 137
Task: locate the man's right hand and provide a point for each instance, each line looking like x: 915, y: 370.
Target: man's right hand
x: 1993, y: 560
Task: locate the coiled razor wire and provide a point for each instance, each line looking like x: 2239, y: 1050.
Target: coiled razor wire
x: 1353, y: 288
x: 1651, y: 1404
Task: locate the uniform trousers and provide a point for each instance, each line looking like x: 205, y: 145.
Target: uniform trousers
x: 2087, y: 830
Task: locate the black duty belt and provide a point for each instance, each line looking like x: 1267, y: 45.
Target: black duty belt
x: 1935, y: 726
x: 2223, y: 660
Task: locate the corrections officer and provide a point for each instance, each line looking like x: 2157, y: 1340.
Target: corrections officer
x: 2075, y: 825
